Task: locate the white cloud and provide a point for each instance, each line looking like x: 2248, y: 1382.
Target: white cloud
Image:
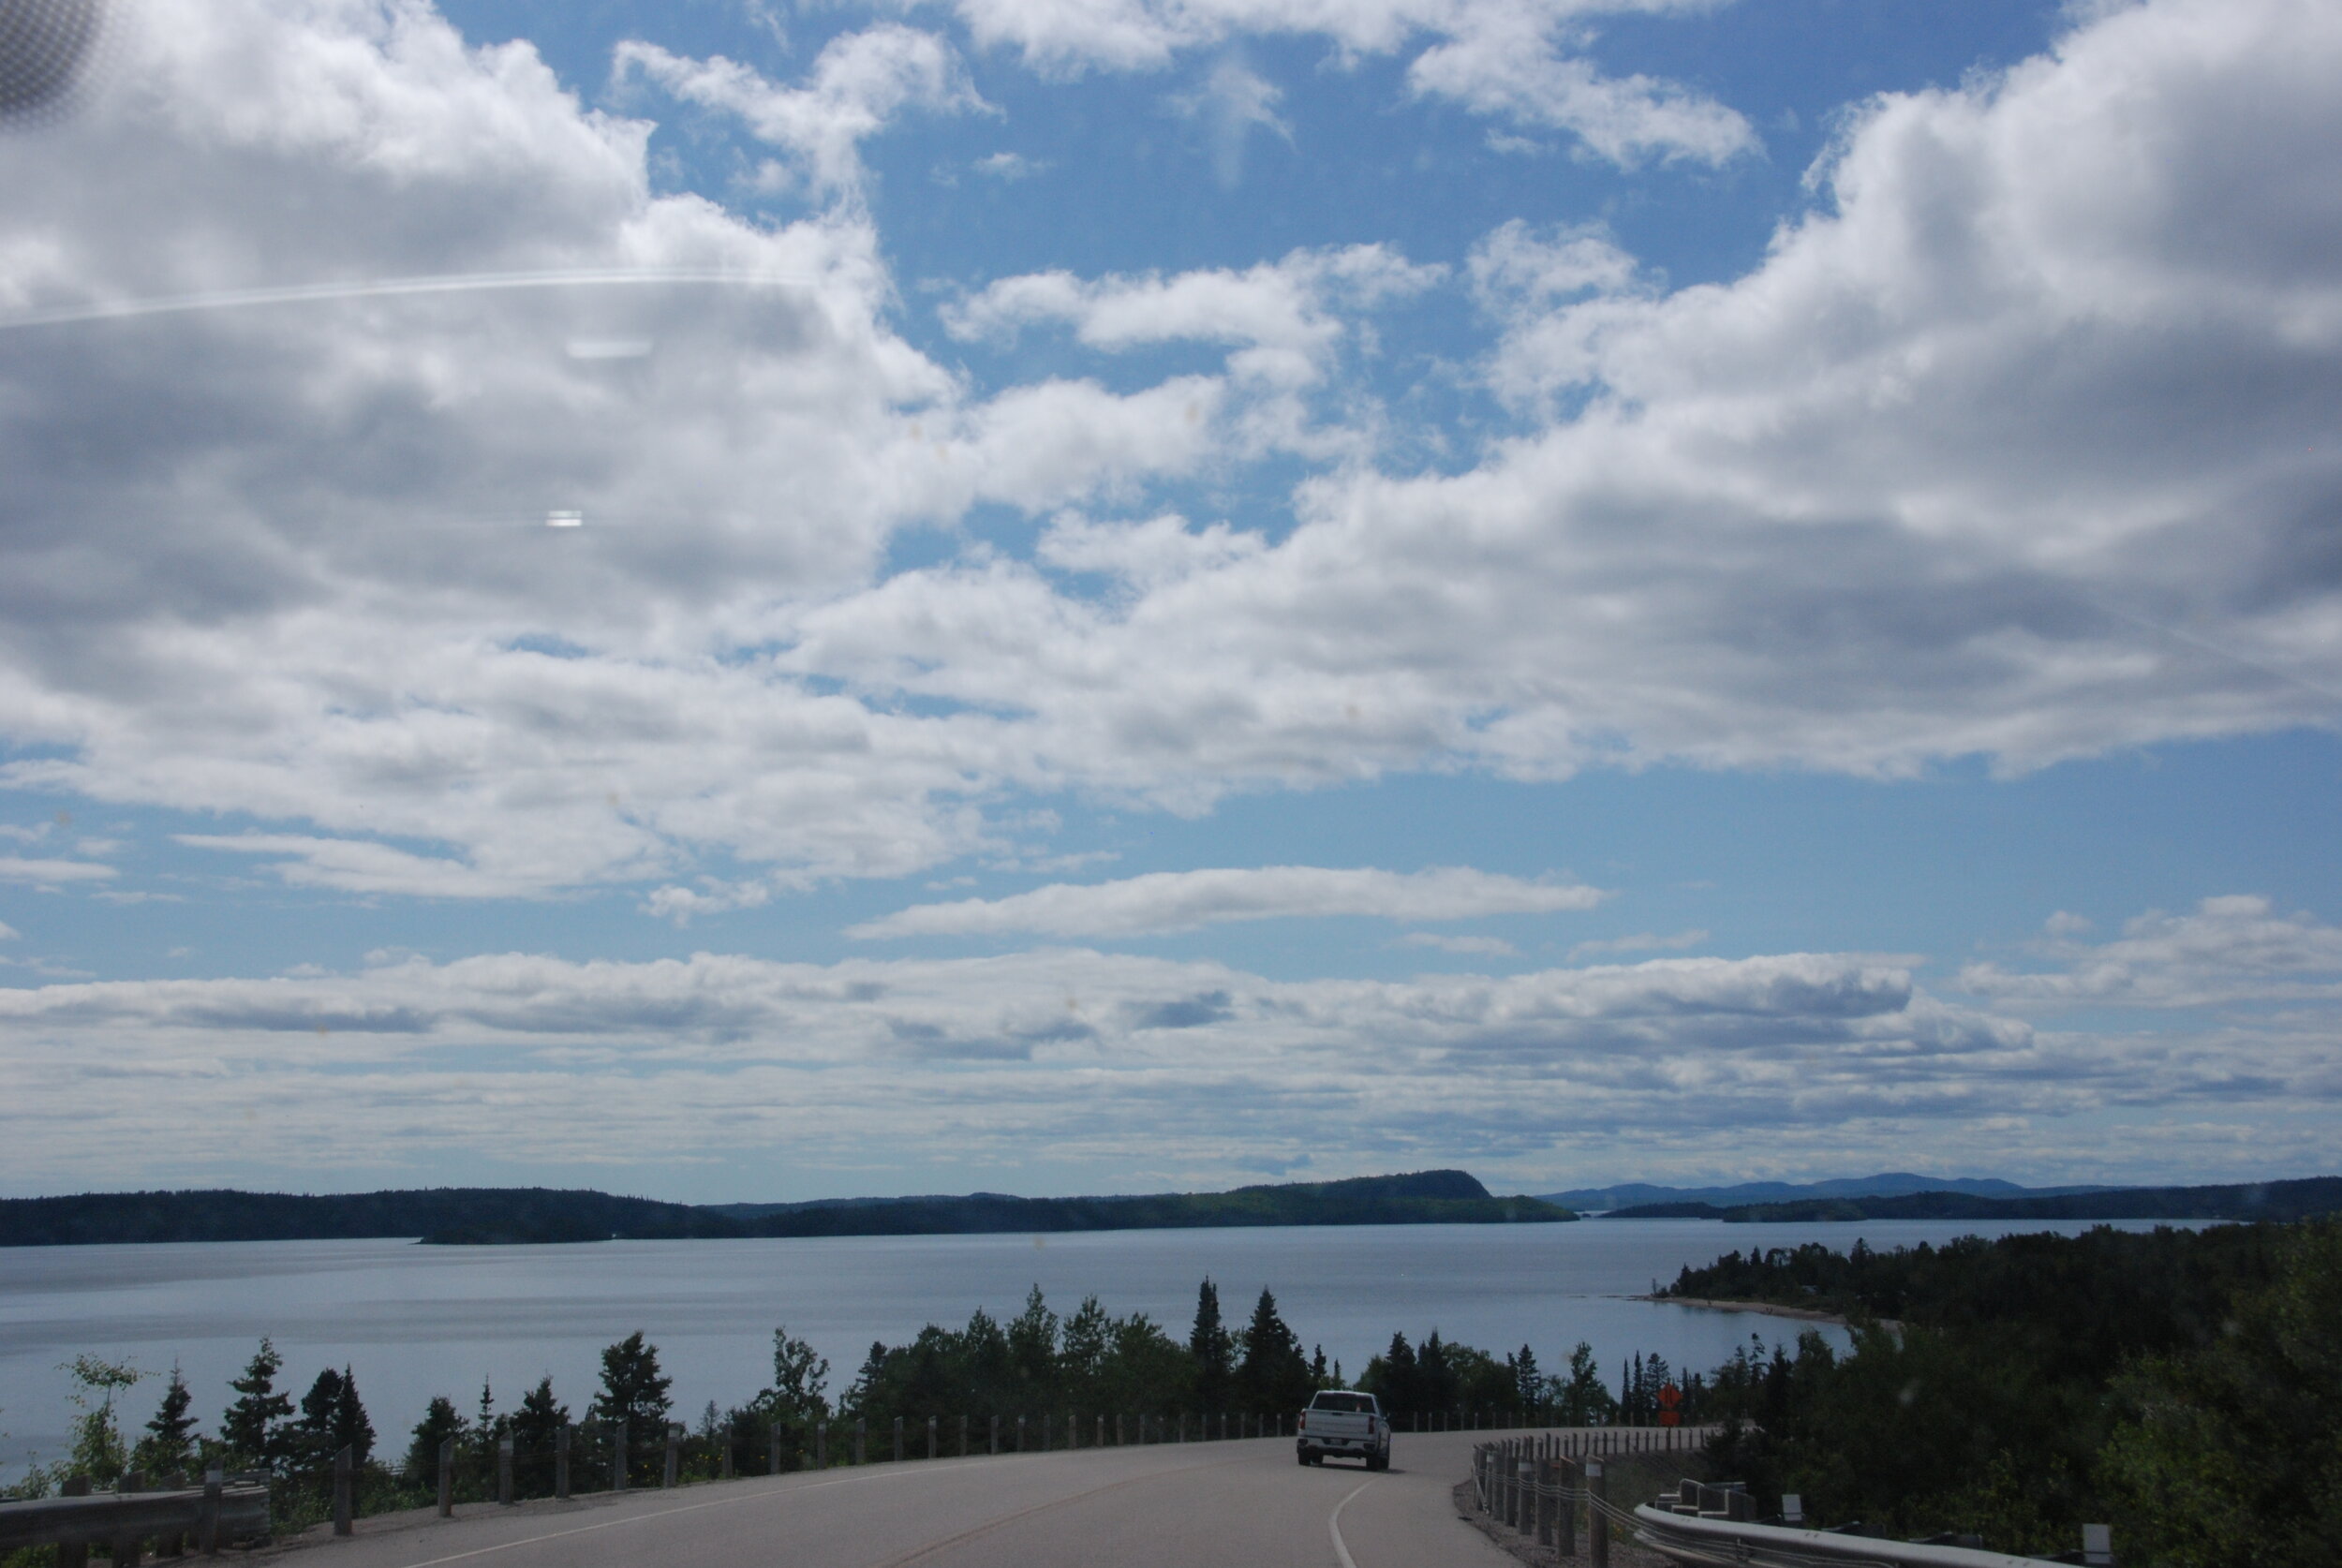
x: 535, y: 1060
x: 8, y: 933
x: 1232, y: 100
x: 1182, y: 900
x: 1009, y: 165
x: 14, y: 868
x: 2016, y: 448
x: 1641, y: 941
x: 1495, y: 947
x: 860, y: 82
x: 1508, y: 58
x: 2231, y: 950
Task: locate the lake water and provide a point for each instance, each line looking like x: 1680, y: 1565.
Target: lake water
x: 412, y: 1320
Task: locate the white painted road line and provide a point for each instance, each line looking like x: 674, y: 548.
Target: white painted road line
x: 1333, y: 1526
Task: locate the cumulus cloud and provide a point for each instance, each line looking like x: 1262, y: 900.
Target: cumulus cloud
x: 2232, y: 949
x: 1088, y: 1055
x: 1522, y: 62
x: 2016, y: 446
x: 1183, y: 900
x: 861, y: 81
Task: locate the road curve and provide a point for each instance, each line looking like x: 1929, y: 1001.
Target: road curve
x: 1174, y: 1504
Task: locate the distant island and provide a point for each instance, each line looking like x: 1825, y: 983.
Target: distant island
x: 2269, y: 1200
x: 1886, y: 1184
x: 492, y: 1216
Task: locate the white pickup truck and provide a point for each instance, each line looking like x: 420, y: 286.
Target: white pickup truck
x: 1341, y: 1421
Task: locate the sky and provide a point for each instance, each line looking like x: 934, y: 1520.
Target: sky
x: 734, y: 600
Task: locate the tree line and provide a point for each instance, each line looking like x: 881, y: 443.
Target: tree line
x: 2184, y: 1386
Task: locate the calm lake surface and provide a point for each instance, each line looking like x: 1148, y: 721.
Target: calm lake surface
x: 412, y: 1320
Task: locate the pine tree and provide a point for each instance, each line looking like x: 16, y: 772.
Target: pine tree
x: 633, y: 1390
x: 253, y: 1426
x: 538, y: 1421
x: 1273, y: 1376
x: 1528, y: 1383
x: 440, y: 1421
x: 310, y: 1444
x: 1213, y: 1350
x: 352, y: 1430
x: 169, y: 1446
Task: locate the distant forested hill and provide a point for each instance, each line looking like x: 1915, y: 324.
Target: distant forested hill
x: 477, y: 1215
x: 2269, y: 1200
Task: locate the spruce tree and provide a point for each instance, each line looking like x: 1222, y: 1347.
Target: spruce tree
x: 352, y: 1430
x: 169, y: 1446
x: 1274, y: 1377
x: 310, y: 1445
x: 440, y: 1421
x: 633, y: 1390
x: 253, y: 1426
x: 1213, y: 1350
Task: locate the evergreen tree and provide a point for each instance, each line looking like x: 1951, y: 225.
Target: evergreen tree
x: 169, y: 1446
x: 352, y: 1430
x: 1317, y: 1368
x: 633, y: 1390
x: 1528, y: 1383
x: 1213, y: 1350
x: 253, y: 1426
x: 1584, y: 1401
x: 1274, y: 1377
x: 440, y: 1421
x: 309, y: 1444
x: 537, y: 1423
x: 1032, y: 1349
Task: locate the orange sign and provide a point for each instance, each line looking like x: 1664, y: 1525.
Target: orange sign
x: 1670, y: 1405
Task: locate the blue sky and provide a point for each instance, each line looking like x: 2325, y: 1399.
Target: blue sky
x: 1171, y: 593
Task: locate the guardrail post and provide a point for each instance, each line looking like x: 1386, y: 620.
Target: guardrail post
x: 504, y: 1471
x: 207, y: 1524
x: 1545, y: 1501
x: 930, y: 1436
x: 1102, y: 1432
x: 898, y: 1440
x: 772, y: 1449
x: 861, y: 1440
x: 1044, y: 1431
x: 561, y: 1462
x: 996, y: 1436
x: 668, y: 1473
x: 447, y: 1478
x: 1597, y: 1522
x: 75, y: 1554
x: 723, y: 1465
x: 345, y: 1468
x: 125, y: 1546
x: 963, y: 1434
x: 1020, y: 1434
x: 621, y: 1462
x: 820, y: 1445
x: 1565, y: 1515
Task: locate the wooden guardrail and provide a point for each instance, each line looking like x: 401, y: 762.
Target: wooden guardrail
x: 208, y: 1515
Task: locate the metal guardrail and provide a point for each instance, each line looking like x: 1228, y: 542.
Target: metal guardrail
x: 1698, y: 1541
x: 208, y: 1514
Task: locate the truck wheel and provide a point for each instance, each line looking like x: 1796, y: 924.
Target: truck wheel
x: 1378, y: 1461
x: 1301, y: 1457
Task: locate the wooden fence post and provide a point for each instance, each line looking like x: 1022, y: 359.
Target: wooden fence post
x: 963, y: 1434
x: 125, y: 1547
x: 1020, y: 1434
x: 898, y: 1440
x: 820, y: 1445
x: 207, y: 1527
x: 504, y: 1471
x: 621, y: 1462
x: 772, y: 1445
x: 930, y: 1436
x: 1566, y: 1517
x: 345, y: 1468
x: 1118, y: 1427
x: 447, y: 1478
x: 995, y: 1435
x: 76, y: 1554
x: 561, y: 1462
x: 862, y: 1439
x: 1597, y: 1522
x: 1102, y: 1430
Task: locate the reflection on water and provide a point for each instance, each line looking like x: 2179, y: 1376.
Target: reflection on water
x: 415, y: 1321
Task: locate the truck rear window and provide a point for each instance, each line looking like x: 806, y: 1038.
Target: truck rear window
x: 1362, y: 1404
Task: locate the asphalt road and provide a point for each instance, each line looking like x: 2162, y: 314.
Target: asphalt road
x: 1180, y: 1505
